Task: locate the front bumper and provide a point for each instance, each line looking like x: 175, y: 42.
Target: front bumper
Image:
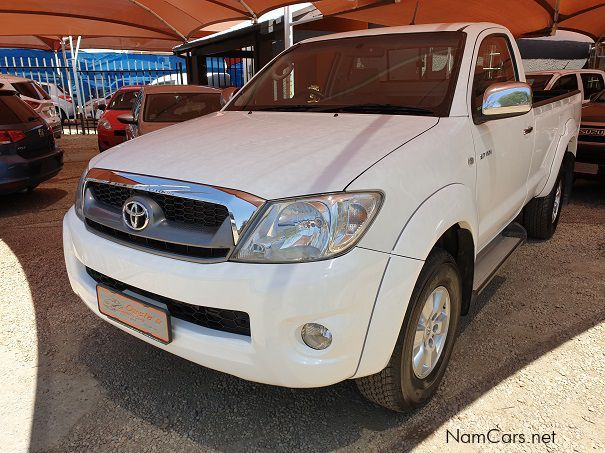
x: 18, y: 173
x: 108, y: 139
x: 280, y: 298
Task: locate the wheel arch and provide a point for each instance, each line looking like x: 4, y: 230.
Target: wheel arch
x: 447, y: 220
x: 568, y: 146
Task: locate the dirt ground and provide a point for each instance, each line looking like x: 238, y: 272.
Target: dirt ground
x: 530, y: 359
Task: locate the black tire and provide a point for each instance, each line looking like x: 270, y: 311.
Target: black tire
x: 397, y: 387
x: 538, y: 215
x: 30, y: 189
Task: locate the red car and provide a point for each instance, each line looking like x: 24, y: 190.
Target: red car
x: 110, y: 131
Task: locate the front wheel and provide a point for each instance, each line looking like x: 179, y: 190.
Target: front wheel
x: 542, y: 215
x: 425, y: 341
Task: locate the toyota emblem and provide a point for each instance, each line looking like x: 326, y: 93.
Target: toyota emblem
x: 135, y: 215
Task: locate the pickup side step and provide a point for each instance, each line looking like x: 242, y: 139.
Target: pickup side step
x: 495, y: 254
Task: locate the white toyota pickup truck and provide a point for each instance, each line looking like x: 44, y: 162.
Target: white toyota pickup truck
x: 337, y: 217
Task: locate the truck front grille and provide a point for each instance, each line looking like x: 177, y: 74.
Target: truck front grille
x: 231, y: 321
x: 172, y: 248
x: 177, y: 209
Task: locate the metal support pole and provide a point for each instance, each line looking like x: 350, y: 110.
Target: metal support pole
x: 74, y: 65
x: 66, y: 69
x: 288, y: 34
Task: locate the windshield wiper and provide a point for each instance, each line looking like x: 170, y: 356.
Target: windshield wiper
x: 391, y: 109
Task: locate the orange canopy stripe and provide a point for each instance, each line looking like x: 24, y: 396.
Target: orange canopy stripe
x: 522, y: 17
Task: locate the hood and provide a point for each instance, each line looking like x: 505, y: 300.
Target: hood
x: 594, y: 113
x: 148, y: 127
x: 268, y: 154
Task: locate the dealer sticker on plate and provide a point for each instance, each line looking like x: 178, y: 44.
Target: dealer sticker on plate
x: 146, y: 318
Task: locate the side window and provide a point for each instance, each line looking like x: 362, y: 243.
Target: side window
x: 494, y: 64
x: 593, y: 83
x: 567, y: 83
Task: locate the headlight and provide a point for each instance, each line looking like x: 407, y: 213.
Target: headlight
x: 104, y: 124
x: 308, y: 228
x: 79, y: 203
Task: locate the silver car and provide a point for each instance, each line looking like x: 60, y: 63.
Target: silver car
x: 32, y: 93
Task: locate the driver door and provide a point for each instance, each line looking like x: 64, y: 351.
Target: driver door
x: 503, y: 147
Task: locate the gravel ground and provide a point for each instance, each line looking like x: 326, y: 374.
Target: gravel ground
x: 529, y: 360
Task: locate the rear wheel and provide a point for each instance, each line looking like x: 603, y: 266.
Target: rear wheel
x: 425, y: 341
x: 542, y: 215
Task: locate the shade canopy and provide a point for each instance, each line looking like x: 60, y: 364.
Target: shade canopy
x: 108, y: 42
x: 175, y: 20
x: 522, y: 17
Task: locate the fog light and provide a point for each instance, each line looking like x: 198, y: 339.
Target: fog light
x: 316, y: 336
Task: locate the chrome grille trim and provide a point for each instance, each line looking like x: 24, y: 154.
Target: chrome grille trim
x: 241, y: 206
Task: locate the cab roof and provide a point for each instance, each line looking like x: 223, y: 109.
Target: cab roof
x: 13, y: 78
x: 564, y: 71
x: 472, y: 28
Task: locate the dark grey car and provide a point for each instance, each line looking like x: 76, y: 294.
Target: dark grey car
x: 28, y: 155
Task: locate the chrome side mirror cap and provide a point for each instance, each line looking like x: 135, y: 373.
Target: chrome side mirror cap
x: 506, y: 99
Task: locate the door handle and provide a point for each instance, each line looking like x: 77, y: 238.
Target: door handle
x: 528, y: 130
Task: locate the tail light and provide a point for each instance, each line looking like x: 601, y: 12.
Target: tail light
x: 66, y: 97
x: 33, y: 104
x: 11, y: 136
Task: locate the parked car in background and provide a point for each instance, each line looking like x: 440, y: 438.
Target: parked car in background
x: 215, y: 79
x: 588, y: 81
x: 32, y: 93
x: 28, y: 155
x: 63, y: 102
x: 336, y: 218
x: 93, y: 108
x: 110, y: 131
x: 159, y: 106
x: 591, y: 140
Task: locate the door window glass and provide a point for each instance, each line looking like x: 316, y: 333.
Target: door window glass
x: 494, y: 64
x: 593, y: 83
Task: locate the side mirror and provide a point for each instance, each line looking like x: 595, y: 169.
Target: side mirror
x: 101, y: 106
x: 505, y: 100
x: 126, y: 118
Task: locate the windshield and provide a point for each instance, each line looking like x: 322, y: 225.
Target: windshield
x: 177, y: 107
x: 538, y: 82
x: 13, y: 111
x: 412, y: 73
x: 123, y: 100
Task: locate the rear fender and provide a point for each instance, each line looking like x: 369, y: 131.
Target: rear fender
x: 567, y: 143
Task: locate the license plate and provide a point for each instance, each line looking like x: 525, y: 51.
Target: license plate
x: 143, y: 317
x: 598, y: 132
